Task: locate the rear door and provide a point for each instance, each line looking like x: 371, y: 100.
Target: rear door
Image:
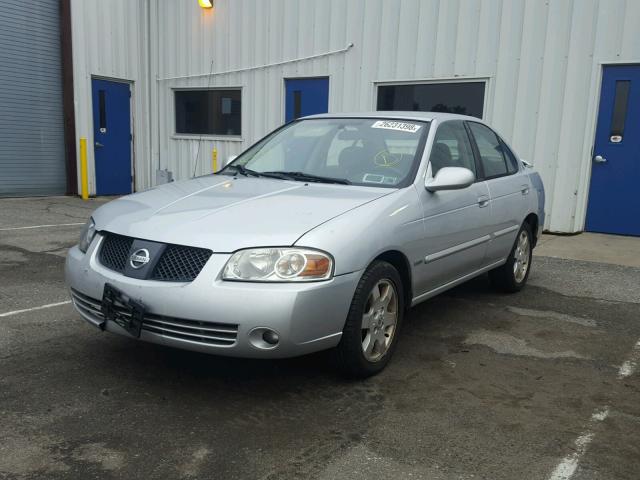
x: 456, y: 221
x: 508, y: 188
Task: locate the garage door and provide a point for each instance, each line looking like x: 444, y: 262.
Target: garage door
x: 31, y: 122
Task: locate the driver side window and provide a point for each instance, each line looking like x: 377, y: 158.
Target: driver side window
x: 451, y: 148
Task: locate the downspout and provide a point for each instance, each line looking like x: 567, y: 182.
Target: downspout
x: 68, y: 110
x: 153, y: 99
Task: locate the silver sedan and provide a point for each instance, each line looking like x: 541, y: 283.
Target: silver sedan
x: 320, y: 236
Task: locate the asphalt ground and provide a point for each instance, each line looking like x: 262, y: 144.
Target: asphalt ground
x: 537, y: 385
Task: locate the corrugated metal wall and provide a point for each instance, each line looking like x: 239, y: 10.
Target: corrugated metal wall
x: 542, y: 61
x: 32, y: 160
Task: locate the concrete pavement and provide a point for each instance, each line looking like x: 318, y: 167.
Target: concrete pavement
x: 592, y: 247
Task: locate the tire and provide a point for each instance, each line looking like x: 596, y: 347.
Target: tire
x: 509, y: 277
x: 373, y: 330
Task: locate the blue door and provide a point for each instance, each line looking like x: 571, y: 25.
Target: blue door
x: 305, y: 96
x: 614, y: 202
x: 112, y: 137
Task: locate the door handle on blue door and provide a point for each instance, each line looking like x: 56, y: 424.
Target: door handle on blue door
x: 483, y: 201
x: 599, y: 159
x: 98, y: 144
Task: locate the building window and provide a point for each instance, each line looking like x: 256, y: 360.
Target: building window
x: 464, y: 98
x: 208, y: 112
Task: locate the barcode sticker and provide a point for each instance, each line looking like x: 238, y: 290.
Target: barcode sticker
x: 393, y: 125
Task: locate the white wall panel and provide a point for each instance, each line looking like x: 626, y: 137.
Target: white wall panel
x: 542, y: 59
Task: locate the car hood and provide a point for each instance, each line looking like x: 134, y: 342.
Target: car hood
x: 226, y: 214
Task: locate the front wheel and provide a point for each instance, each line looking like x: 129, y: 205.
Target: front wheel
x: 371, y: 329
x: 512, y: 276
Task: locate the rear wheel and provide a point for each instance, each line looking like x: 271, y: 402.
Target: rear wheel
x: 512, y: 276
x: 370, y: 332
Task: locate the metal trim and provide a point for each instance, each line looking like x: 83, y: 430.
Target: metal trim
x: 504, y: 231
x: 457, y: 248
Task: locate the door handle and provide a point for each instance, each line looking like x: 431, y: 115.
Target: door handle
x: 98, y: 144
x: 599, y: 159
x: 524, y: 189
x: 483, y: 201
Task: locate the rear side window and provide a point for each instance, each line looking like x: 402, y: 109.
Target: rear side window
x: 491, y: 153
x: 512, y: 161
x: 451, y: 148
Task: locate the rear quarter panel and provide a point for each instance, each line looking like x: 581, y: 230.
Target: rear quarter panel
x: 537, y: 204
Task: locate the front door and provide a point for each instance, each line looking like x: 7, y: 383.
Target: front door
x: 614, y: 202
x: 112, y: 137
x: 456, y: 222
x: 305, y: 96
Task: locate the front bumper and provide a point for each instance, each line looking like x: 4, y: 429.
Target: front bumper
x: 214, y: 316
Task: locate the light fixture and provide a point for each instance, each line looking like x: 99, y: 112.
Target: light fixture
x: 205, y: 3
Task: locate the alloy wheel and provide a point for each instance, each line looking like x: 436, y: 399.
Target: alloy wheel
x: 521, y: 257
x: 379, y: 320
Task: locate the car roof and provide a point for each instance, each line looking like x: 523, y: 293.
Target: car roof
x: 404, y: 115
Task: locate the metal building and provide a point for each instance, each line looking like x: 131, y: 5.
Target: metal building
x: 159, y: 84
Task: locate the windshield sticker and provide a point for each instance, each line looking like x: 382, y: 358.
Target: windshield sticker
x: 375, y: 178
x: 392, y: 125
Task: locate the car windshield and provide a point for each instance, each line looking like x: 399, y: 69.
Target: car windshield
x: 358, y: 151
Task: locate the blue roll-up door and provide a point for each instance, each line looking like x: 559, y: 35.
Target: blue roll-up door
x: 32, y: 159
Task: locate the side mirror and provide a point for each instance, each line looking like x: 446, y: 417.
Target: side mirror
x: 229, y: 159
x: 450, y: 178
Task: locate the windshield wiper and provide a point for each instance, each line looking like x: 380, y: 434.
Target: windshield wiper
x: 242, y: 170
x: 306, y: 177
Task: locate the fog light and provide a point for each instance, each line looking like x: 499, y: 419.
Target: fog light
x: 270, y: 337
x: 264, y: 338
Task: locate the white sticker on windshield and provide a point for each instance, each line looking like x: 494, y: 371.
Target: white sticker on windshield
x: 393, y: 125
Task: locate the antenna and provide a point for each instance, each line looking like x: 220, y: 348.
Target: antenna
x: 195, y: 167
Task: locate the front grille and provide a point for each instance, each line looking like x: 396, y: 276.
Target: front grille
x: 181, y: 264
x: 115, y: 251
x: 177, y: 263
x: 206, y: 333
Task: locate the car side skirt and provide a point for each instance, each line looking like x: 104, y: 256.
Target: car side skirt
x: 432, y: 293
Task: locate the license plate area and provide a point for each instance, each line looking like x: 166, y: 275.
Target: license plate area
x: 121, y: 309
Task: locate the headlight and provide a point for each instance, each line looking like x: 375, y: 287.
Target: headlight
x: 278, y: 265
x: 86, y: 236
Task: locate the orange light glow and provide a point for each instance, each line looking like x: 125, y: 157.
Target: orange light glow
x: 205, y: 3
x: 316, y: 266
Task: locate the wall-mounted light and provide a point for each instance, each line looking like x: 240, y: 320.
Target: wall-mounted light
x: 205, y: 3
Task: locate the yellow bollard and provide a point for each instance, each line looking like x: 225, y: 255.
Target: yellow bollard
x: 84, y: 182
x: 214, y: 160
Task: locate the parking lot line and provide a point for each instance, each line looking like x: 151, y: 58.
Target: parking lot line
x: 41, y: 226
x: 567, y: 467
x: 41, y: 307
x: 629, y: 366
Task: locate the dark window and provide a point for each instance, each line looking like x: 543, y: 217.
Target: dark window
x: 102, y: 109
x: 490, y: 149
x: 620, y: 108
x: 465, y: 98
x: 208, y: 112
x: 451, y: 148
x: 512, y: 161
x: 297, y: 104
